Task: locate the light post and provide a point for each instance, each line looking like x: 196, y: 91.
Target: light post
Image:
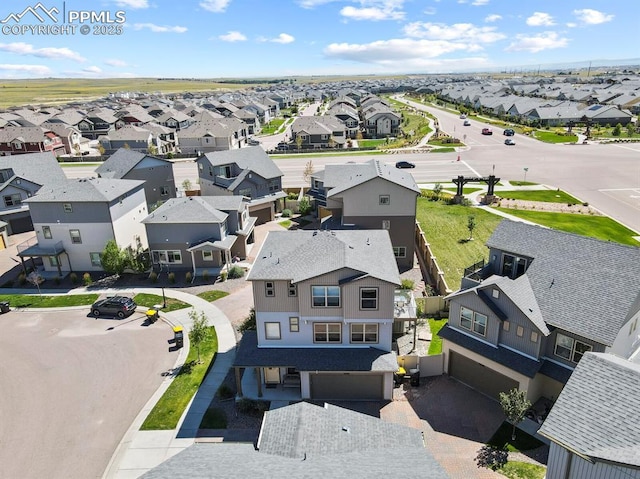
x: 525, y: 175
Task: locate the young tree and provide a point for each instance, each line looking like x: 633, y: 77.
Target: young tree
x: 152, y: 149
x: 515, y: 405
x: 35, y: 279
x: 186, y: 185
x: 113, y: 259
x: 471, y: 224
x: 617, y: 130
x: 308, y: 171
x: 304, y: 206
x: 299, y: 141
x: 101, y: 149
x: 437, y: 190
x: 198, y: 330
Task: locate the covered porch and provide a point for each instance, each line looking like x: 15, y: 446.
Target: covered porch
x: 211, y: 256
x: 52, y: 254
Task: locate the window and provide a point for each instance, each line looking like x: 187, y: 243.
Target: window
x: 269, y: 288
x: 164, y: 190
x: 95, y: 259
x: 75, y: 236
x: 293, y: 290
x: 325, y: 296
x: 495, y: 293
x: 46, y: 232
x: 164, y: 257
x: 53, y: 260
x: 67, y: 207
x: 386, y: 224
x: 569, y: 348
x: 327, y: 332
x: 13, y: 200
x: 368, y: 298
x: 505, y: 326
x: 534, y: 337
x: 384, y: 200
x: 364, y: 333
x: 272, y: 330
x: 473, y: 321
x: 207, y: 255
x: 245, y: 192
x: 294, y: 324
x: 512, y: 266
x: 400, y: 251
x: 520, y: 331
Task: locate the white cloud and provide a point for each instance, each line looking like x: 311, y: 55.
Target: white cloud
x: 92, y: 69
x: 537, y: 43
x: 588, y: 16
x: 133, y: 4
x: 374, y: 14
x: 492, y: 18
x: 159, y: 28
x: 20, y: 48
x: 540, y: 19
x: 572, y: 24
x: 38, y: 70
x: 430, y: 11
x: 313, y: 3
x: 455, y: 32
x: 283, y: 38
x: 233, y: 36
x: 479, y: 3
x: 215, y: 6
x: 394, y: 50
x: 115, y: 63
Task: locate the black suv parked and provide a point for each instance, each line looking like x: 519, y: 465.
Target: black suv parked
x: 119, y: 306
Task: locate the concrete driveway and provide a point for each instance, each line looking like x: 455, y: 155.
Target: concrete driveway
x: 70, y: 388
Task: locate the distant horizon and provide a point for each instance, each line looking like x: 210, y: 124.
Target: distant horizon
x: 208, y: 39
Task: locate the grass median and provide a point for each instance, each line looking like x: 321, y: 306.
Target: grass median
x: 45, y: 301
x: 169, y: 409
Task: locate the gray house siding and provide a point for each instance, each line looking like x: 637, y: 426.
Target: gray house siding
x: 180, y: 234
x: 564, y: 465
x: 550, y: 343
x: 473, y: 302
x: 156, y: 178
x: 82, y: 212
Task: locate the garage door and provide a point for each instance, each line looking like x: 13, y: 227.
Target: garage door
x: 346, y: 386
x: 478, y: 376
x: 263, y: 213
x: 20, y: 225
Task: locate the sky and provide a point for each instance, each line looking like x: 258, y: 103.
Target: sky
x: 282, y: 38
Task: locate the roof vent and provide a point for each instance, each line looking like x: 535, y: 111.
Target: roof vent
x: 346, y: 429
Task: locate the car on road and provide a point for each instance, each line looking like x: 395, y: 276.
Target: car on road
x: 467, y: 123
x: 463, y: 116
x: 509, y: 132
x: 487, y: 131
x: 120, y: 306
x: 405, y: 164
x: 283, y: 146
x: 509, y: 141
x: 253, y: 142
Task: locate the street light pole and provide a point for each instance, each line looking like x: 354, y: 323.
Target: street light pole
x: 525, y: 175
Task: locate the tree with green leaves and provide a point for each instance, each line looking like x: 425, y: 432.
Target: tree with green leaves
x: 299, y: 141
x: 113, y: 259
x: 437, y: 190
x: 304, y: 206
x: 617, y: 130
x: 186, y: 185
x: 514, y: 405
x: 198, y: 330
x: 471, y: 225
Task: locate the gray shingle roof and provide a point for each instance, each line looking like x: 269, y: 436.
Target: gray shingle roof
x: 597, y: 413
x: 195, y: 209
x: 582, y: 285
x: 294, y: 255
x: 339, y: 178
x: 86, y: 190
x: 40, y: 168
x: 251, y: 158
x: 120, y: 163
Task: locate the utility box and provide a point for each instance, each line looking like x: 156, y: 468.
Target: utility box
x: 178, y: 336
x: 4, y: 307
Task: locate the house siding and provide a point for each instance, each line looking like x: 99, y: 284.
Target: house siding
x: 280, y: 302
x: 155, y: 174
x: 476, y: 304
x: 351, y: 300
x: 364, y: 199
x: 49, y: 213
x: 127, y: 226
x: 564, y: 465
x: 551, y: 343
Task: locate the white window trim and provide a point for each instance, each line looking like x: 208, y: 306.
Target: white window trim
x: 326, y: 332
x: 272, y: 336
x: 326, y: 297
x: 573, y: 351
x: 363, y: 332
x: 474, y: 321
x: 73, y: 238
x: 294, y: 324
x: 210, y: 254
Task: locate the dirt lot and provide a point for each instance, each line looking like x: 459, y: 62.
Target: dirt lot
x: 71, y: 386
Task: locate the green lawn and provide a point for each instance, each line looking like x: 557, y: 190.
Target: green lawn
x: 553, y: 137
x: 271, y: 127
x: 371, y: 143
x: 501, y: 439
x: 213, y: 295
x: 37, y: 301
x: 168, y: 410
x: 465, y: 191
x: 522, y: 470
x: 549, y: 196
x: 443, y: 150
x: 601, y: 227
x: 150, y: 300
x: 285, y: 224
x: 435, y: 325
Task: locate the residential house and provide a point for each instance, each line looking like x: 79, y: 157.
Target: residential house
x: 247, y: 172
x: 174, y: 119
x: 379, y: 120
x: 310, y: 441
x: 370, y: 195
x: 593, y: 426
x: 21, y: 178
x: 70, y: 136
x: 324, y: 316
x: 527, y: 317
x: 131, y: 137
x: 75, y: 219
x: 347, y: 115
x: 34, y: 139
x: 134, y: 115
x: 200, y: 233
x: 216, y: 135
x: 318, y: 132
x: 97, y: 122
x: 157, y: 173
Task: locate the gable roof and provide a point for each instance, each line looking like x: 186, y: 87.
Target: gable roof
x: 252, y: 158
x: 40, y: 168
x: 293, y: 255
x: 122, y: 162
x: 582, y: 285
x: 88, y: 190
x: 195, y: 209
x: 338, y: 178
x: 598, y: 411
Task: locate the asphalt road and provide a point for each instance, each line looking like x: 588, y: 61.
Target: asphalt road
x: 70, y: 388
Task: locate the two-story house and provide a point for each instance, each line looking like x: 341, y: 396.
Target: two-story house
x: 319, y: 132
x: 545, y: 298
x: 324, y: 316
x: 379, y: 120
x: 21, y: 178
x: 18, y: 140
x: 157, y: 173
x: 248, y: 172
x: 370, y: 195
x: 75, y: 219
x: 97, y: 122
x: 200, y: 233
x: 132, y: 137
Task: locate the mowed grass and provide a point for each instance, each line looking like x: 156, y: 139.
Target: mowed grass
x: 549, y: 196
x: 150, y: 300
x: 213, y: 295
x: 553, y: 137
x: 37, y: 301
x: 435, y: 325
x: 168, y: 410
x: 522, y: 470
x: 371, y: 143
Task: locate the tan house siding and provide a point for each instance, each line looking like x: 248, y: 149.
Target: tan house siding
x: 280, y: 302
x: 364, y: 199
x: 351, y: 300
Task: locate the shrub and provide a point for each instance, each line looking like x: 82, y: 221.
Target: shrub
x: 57, y: 280
x: 223, y: 276
x: 286, y: 213
x: 205, y: 275
x: 224, y: 391
x: 249, y: 323
x: 292, y: 195
x: 73, y: 277
x: 22, y: 279
x: 491, y: 458
x: 188, y: 277
x: 153, y: 277
x: 407, y: 284
x: 236, y: 272
x: 86, y: 279
x: 249, y: 406
x: 171, y: 277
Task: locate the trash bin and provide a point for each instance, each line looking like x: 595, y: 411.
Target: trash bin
x: 178, y: 336
x: 4, y: 307
x: 152, y: 316
x: 414, y: 378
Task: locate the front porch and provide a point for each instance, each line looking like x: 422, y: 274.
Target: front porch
x: 253, y: 387
x: 33, y: 249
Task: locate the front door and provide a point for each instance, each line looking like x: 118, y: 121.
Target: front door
x: 271, y: 375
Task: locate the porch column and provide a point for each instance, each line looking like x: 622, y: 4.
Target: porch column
x: 58, y: 265
x: 259, y: 378
x: 238, y: 382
